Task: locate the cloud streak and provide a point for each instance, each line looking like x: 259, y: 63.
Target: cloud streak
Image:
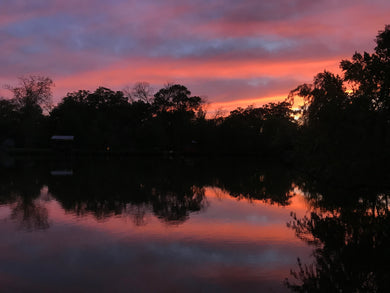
x: 229, y: 51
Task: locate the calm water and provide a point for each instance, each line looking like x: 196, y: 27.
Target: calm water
x: 157, y: 226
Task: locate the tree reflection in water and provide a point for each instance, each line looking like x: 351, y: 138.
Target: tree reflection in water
x: 21, y: 189
x: 169, y: 189
x: 173, y: 207
x: 351, y: 245
x: 107, y: 188
x: 30, y: 214
x: 348, y: 228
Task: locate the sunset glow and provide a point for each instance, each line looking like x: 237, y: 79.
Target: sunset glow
x: 233, y: 53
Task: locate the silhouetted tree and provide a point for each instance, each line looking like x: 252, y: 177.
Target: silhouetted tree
x: 97, y: 120
x: 9, y: 120
x: 369, y: 78
x: 266, y: 130
x: 175, y: 112
x: 345, y: 119
x: 32, y: 95
x: 324, y: 100
x: 369, y: 74
x: 141, y: 91
x: 176, y: 97
x: 33, y: 90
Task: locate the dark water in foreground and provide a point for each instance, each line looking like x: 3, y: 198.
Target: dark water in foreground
x: 155, y: 225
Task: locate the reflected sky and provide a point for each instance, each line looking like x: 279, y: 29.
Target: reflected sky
x: 231, y: 245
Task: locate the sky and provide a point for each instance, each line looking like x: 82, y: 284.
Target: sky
x: 233, y: 53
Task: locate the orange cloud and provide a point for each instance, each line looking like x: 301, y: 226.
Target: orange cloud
x: 187, y: 72
x: 234, y: 51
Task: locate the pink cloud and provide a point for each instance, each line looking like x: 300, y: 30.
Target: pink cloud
x: 219, y: 50
x: 224, y: 84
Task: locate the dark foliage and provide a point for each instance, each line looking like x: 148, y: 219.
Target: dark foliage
x: 344, y: 120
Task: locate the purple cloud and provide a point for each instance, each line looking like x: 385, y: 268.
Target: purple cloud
x: 66, y: 39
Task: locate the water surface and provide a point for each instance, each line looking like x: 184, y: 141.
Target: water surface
x: 155, y: 226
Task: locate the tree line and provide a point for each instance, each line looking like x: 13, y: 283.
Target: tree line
x: 342, y: 117
x: 171, y: 120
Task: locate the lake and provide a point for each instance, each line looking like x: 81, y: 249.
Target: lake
x: 182, y: 225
